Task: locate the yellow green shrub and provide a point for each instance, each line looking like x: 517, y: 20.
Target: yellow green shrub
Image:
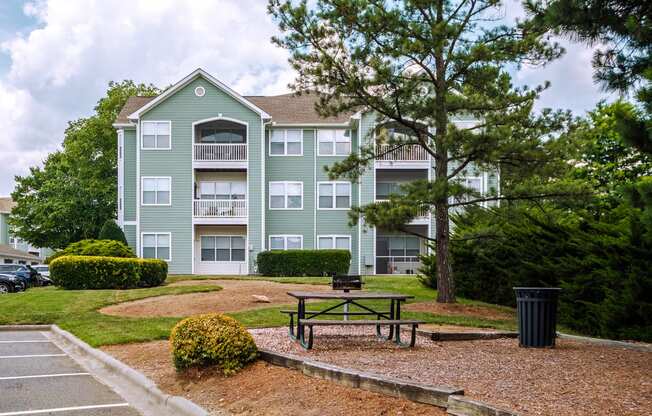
x: 212, y: 340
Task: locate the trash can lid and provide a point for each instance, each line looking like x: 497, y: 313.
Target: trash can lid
x: 537, y: 288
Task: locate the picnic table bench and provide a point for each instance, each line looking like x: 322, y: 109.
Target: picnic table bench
x: 391, y: 318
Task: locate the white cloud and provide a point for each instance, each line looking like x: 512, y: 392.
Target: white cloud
x: 59, y: 70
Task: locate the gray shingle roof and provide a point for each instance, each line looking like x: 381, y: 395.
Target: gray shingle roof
x: 284, y: 109
x: 9, y: 251
x: 6, y: 204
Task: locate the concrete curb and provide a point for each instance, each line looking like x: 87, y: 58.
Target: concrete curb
x: 465, y: 336
x: 437, y: 396
x: 463, y: 406
x: 126, y: 379
x: 25, y: 327
x: 608, y: 342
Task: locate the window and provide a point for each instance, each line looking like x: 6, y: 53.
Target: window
x: 385, y: 189
x: 286, y: 143
x: 334, y: 195
x: 340, y: 242
x: 334, y: 142
x: 401, y: 247
x: 8, y: 261
x: 156, y: 191
x: 222, y: 190
x: 286, y: 195
x: 221, y: 132
x: 222, y: 248
x: 474, y: 183
x: 156, y: 246
x: 286, y: 242
x: 156, y: 135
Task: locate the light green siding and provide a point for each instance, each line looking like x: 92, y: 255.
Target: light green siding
x: 367, y: 196
x: 183, y: 109
x: 4, y: 229
x: 130, y: 235
x: 130, y: 175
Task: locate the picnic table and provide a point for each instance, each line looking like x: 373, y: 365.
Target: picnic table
x: 308, y: 318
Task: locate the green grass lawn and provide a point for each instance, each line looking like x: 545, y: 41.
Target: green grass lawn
x: 77, y: 310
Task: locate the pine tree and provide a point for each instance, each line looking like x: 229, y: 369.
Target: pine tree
x: 111, y: 231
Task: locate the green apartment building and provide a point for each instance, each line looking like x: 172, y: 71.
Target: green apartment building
x: 208, y: 178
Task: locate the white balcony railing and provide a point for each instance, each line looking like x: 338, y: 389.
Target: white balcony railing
x: 220, y: 208
x: 408, y: 153
x: 211, y: 152
x: 421, y: 214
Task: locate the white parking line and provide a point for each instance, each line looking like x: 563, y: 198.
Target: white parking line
x: 44, y: 376
x: 32, y: 356
x: 63, y: 409
x: 24, y: 341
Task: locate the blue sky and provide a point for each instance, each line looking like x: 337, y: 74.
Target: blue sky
x: 57, y: 56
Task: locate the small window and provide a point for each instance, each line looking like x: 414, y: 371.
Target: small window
x: 286, y: 242
x: 334, y: 195
x: 334, y: 142
x: 156, y: 191
x: 223, y: 248
x: 286, y: 195
x: 8, y: 261
x: 328, y: 242
x: 286, y: 143
x: 156, y: 135
x: 156, y: 246
x: 200, y: 91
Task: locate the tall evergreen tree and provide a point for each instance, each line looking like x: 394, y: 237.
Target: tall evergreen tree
x: 74, y: 193
x: 416, y: 64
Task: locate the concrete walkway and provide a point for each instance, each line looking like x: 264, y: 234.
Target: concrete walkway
x: 39, y: 378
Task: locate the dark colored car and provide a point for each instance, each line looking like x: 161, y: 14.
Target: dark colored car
x: 10, y: 283
x: 25, y: 273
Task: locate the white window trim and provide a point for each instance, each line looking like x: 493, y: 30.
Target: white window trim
x: 230, y: 249
x: 285, y: 183
x: 230, y: 182
x: 333, y: 237
x: 142, y: 234
x: 285, y: 240
x: 142, y: 191
x: 285, y: 143
x: 335, y: 183
x: 334, y: 141
x: 142, y: 147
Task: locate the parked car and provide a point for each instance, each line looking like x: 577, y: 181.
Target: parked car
x: 10, y: 283
x: 43, y: 269
x: 25, y: 273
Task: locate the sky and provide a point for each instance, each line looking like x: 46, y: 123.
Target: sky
x: 57, y: 57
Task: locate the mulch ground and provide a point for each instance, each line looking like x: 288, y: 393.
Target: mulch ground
x: 575, y: 378
x: 457, y: 309
x: 261, y: 389
x: 236, y: 295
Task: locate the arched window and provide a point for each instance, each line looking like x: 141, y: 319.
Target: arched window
x: 221, y: 132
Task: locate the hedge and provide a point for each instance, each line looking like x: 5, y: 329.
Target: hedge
x: 95, y: 272
x: 303, y: 262
x: 212, y: 339
x: 112, y: 231
x: 108, y: 248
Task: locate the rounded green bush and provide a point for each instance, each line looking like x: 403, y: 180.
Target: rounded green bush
x: 108, y: 248
x: 212, y: 340
x: 153, y: 272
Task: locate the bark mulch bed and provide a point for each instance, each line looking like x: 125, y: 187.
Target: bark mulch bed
x: 576, y: 378
x: 457, y: 309
x: 236, y: 295
x: 261, y: 389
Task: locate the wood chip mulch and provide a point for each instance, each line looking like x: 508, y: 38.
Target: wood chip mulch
x: 261, y: 388
x: 575, y: 378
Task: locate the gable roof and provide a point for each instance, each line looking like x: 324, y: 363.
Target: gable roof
x: 9, y: 251
x: 133, y: 104
x: 185, y: 81
x: 296, y: 109
x: 6, y: 204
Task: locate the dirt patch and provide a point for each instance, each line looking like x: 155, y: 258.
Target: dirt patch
x: 576, y: 378
x: 261, y: 389
x: 236, y: 295
x: 458, y: 309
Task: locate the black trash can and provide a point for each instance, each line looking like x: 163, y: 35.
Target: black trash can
x: 537, y: 316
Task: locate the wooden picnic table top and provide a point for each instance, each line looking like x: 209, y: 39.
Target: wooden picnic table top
x: 348, y: 295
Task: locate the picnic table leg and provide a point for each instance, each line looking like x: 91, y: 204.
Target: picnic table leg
x: 391, y: 328
x: 398, y: 327
x: 301, y: 315
x: 291, y: 327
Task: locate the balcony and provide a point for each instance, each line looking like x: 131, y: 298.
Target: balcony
x: 409, y: 156
x: 227, y: 155
x: 219, y: 211
x: 422, y: 216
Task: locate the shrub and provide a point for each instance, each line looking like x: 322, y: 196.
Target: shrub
x: 153, y: 272
x: 212, y: 339
x: 303, y: 262
x: 95, y: 272
x: 107, y: 248
x: 111, y: 231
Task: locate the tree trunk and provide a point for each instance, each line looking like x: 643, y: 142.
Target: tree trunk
x: 445, y: 282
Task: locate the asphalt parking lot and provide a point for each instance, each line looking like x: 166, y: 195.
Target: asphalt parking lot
x: 38, y: 378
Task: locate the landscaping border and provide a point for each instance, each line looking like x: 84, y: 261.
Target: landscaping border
x: 608, y: 342
x: 465, y: 336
